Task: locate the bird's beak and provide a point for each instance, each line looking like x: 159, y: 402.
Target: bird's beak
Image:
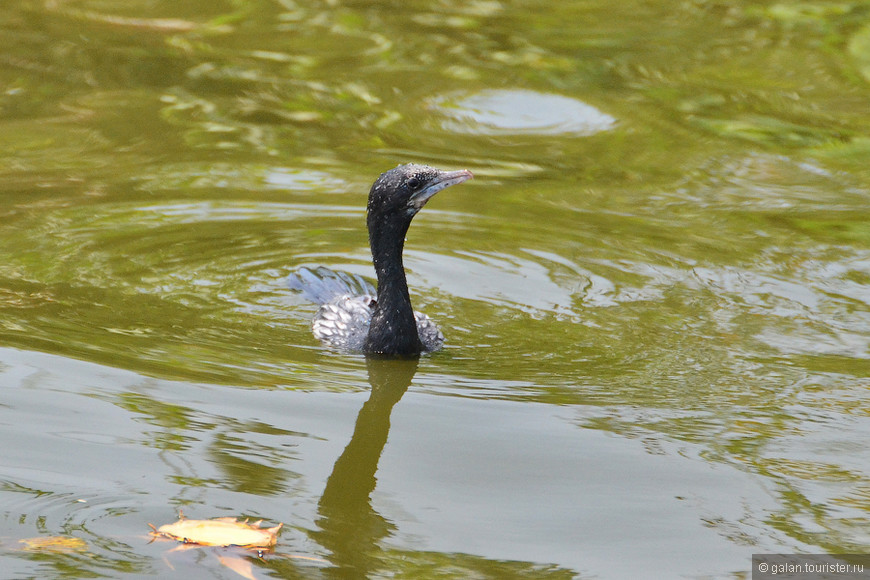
x: 442, y: 180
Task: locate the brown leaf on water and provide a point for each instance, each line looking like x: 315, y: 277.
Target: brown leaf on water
x: 54, y: 544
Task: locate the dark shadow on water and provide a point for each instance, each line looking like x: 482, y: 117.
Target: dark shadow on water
x: 349, y: 527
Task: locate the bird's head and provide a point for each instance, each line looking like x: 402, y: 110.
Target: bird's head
x: 401, y: 192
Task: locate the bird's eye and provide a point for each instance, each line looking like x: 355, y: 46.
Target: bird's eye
x: 413, y: 183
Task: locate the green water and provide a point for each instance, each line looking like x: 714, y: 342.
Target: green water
x: 655, y: 292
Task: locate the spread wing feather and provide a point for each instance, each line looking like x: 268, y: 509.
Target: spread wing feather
x: 323, y: 285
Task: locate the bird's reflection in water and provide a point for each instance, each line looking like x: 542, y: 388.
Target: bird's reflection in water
x: 349, y: 527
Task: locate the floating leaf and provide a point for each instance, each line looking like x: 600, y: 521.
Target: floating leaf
x: 219, y: 532
x: 54, y: 544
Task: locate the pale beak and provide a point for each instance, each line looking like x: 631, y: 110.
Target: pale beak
x: 443, y: 180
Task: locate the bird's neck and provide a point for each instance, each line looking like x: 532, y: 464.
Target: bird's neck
x: 393, y: 328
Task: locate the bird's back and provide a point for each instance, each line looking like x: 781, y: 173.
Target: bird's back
x: 346, y: 303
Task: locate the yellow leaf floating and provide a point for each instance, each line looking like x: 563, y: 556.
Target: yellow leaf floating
x: 54, y: 544
x: 219, y: 532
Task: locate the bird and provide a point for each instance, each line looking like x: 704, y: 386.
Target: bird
x: 353, y: 315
